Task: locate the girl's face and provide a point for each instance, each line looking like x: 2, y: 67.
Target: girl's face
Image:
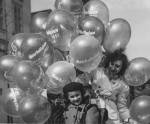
x: 115, y: 67
x: 75, y: 97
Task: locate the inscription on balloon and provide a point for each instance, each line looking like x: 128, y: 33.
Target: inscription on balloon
x: 31, y: 56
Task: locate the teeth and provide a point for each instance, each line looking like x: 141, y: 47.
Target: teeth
x: 53, y: 33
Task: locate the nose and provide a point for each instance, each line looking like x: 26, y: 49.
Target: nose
x: 75, y: 98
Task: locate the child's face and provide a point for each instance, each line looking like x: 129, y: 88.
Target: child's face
x: 75, y: 97
x: 115, y: 66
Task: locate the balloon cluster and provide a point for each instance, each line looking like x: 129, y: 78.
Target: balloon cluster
x: 71, y: 36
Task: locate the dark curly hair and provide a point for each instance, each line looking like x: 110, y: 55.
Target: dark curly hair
x: 117, y: 55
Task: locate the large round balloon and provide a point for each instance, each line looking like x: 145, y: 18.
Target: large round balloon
x: 7, y: 62
x: 91, y: 25
x: 61, y: 29
x: 14, y: 46
x: 10, y: 101
x: 117, y: 35
x: 59, y: 74
x: 35, y: 47
x: 98, y: 9
x: 140, y: 109
x: 34, y: 109
x: 138, y: 72
x: 38, y: 22
x: 73, y: 6
x: 25, y: 73
x: 85, y: 53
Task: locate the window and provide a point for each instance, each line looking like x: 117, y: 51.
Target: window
x: 1, y: 14
x: 18, y: 12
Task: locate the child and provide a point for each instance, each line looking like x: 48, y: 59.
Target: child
x: 78, y: 109
x: 111, y: 88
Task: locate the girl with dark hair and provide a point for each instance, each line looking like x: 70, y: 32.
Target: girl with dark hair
x: 111, y: 90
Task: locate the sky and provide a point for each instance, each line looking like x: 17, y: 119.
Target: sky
x: 136, y: 12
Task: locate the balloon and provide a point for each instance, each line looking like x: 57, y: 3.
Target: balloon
x: 117, y: 35
x: 6, y: 64
x: 98, y: 9
x: 34, y: 109
x: 140, y: 109
x: 25, y: 73
x: 38, y: 21
x: 35, y: 47
x: 73, y: 6
x: 92, y: 26
x: 59, y: 74
x: 138, y: 72
x: 14, y: 46
x: 61, y: 29
x: 58, y: 56
x: 85, y: 53
x: 10, y: 101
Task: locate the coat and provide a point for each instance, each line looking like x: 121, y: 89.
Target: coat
x: 112, y: 95
x: 73, y: 114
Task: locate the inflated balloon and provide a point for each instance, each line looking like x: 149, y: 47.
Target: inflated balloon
x: 90, y: 25
x: 61, y: 29
x: 138, y: 72
x: 35, y: 47
x: 73, y: 6
x: 140, y: 109
x: 6, y: 64
x: 85, y: 53
x: 58, y: 56
x: 59, y: 74
x: 98, y: 9
x: 117, y: 35
x: 34, y: 109
x: 14, y: 46
x: 25, y: 73
x: 10, y: 101
x: 39, y: 21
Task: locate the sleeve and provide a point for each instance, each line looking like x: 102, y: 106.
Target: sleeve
x: 92, y: 116
x: 122, y: 101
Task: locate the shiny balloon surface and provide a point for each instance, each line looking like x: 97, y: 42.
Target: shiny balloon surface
x: 38, y: 21
x: 61, y: 29
x: 85, y: 53
x: 117, y: 35
x: 90, y: 25
x: 34, y: 109
x: 140, y: 109
x: 73, y: 6
x: 138, y: 72
x: 24, y: 73
x: 98, y: 9
x: 59, y: 74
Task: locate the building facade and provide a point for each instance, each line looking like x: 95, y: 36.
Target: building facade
x: 15, y: 17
